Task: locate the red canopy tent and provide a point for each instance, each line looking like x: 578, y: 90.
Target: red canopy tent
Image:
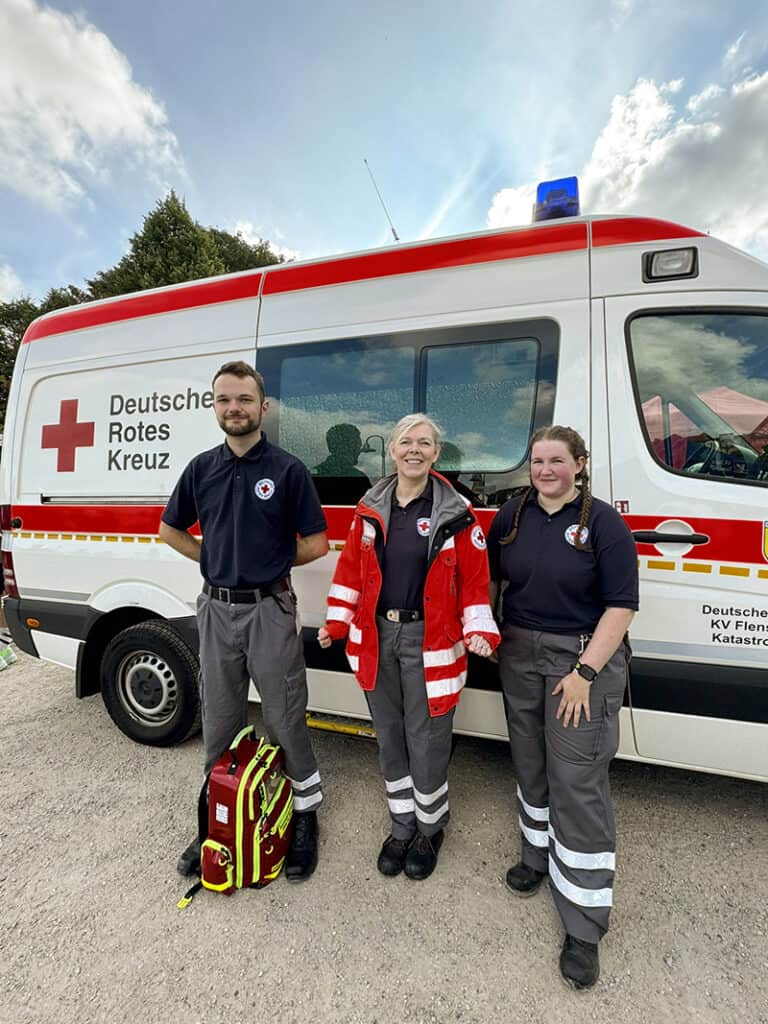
x: 746, y: 416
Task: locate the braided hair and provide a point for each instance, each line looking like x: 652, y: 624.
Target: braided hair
x: 574, y: 442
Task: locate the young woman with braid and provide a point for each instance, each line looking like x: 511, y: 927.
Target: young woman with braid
x: 570, y: 564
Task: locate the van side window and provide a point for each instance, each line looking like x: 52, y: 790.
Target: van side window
x: 701, y: 385
x: 483, y: 397
x: 334, y: 403
x: 338, y: 404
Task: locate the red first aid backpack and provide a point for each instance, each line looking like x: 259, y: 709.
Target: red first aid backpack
x: 245, y: 813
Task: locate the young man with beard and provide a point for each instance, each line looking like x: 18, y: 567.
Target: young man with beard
x: 259, y: 514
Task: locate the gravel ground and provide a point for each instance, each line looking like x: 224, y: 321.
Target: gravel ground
x: 92, y: 824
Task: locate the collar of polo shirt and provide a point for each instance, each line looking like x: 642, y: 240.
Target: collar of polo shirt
x: 254, y: 452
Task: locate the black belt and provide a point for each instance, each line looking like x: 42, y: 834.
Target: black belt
x: 401, y: 615
x: 246, y: 596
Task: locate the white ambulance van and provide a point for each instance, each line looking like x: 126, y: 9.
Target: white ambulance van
x: 648, y: 337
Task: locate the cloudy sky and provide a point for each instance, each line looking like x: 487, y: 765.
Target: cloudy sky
x: 260, y: 115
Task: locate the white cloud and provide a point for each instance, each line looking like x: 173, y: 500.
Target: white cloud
x: 701, y: 99
x: 288, y: 254
x: 10, y: 283
x: 654, y: 159
x: 512, y: 206
x: 69, y: 107
x: 248, y: 231
x: 730, y: 55
x: 251, y: 233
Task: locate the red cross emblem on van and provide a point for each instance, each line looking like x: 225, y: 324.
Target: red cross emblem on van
x: 67, y: 435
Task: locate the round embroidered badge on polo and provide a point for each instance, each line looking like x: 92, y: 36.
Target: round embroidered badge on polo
x: 423, y: 526
x: 570, y: 534
x: 478, y: 538
x: 264, y: 488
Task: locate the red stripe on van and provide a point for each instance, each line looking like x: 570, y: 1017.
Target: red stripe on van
x: 168, y: 301
x: 625, y: 230
x: 731, y: 540
x: 462, y: 252
x: 145, y: 519
x: 538, y: 241
x: 129, y: 519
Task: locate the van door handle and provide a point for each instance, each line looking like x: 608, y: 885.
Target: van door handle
x: 659, y: 537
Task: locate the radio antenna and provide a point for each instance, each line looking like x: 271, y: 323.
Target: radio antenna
x: 383, y: 206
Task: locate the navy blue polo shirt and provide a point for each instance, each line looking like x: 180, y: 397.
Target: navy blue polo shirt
x: 250, y: 509
x: 553, y: 586
x: 404, y: 567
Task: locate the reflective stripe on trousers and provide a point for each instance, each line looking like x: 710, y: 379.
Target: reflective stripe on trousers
x: 565, y: 812
x: 414, y: 748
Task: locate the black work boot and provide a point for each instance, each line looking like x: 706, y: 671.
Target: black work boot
x: 422, y: 854
x: 524, y: 881
x: 189, y: 862
x: 579, y: 963
x: 301, y: 859
x: 392, y: 856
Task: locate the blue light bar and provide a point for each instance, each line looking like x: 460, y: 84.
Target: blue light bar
x: 558, y: 198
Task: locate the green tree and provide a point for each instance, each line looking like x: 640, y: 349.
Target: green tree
x: 237, y: 254
x: 58, y: 298
x: 15, y: 318
x: 169, y: 249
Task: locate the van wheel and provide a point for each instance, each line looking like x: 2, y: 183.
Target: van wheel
x: 149, y: 684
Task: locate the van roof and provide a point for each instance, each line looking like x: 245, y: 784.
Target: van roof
x: 543, y: 238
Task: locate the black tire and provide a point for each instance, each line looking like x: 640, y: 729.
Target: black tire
x: 149, y: 684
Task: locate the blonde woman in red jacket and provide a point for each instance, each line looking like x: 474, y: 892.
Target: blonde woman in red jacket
x: 410, y: 593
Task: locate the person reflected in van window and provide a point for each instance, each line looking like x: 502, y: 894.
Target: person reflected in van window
x: 344, y: 446
x: 410, y: 595
x: 337, y: 478
x: 449, y: 464
x: 570, y: 565
x: 259, y: 515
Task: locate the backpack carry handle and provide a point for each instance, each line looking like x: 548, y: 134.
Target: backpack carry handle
x: 243, y: 734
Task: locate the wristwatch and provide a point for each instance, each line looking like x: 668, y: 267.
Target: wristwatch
x: 585, y: 671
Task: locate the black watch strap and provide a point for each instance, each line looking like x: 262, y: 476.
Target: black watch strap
x: 586, y: 672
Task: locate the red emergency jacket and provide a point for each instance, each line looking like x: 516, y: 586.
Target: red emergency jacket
x: 455, y: 591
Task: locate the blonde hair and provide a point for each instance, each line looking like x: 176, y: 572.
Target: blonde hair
x: 409, y: 422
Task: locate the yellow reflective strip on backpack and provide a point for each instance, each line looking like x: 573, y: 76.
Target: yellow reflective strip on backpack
x: 282, y: 822
x: 239, y: 811
x: 269, y: 759
x: 278, y: 793
x: 255, y: 836
x: 276, y: 871
x: 223, y: 886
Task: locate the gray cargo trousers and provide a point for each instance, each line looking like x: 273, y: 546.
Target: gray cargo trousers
x: 414, y: 747
x: 564, y: 800
x: 260, y: 641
